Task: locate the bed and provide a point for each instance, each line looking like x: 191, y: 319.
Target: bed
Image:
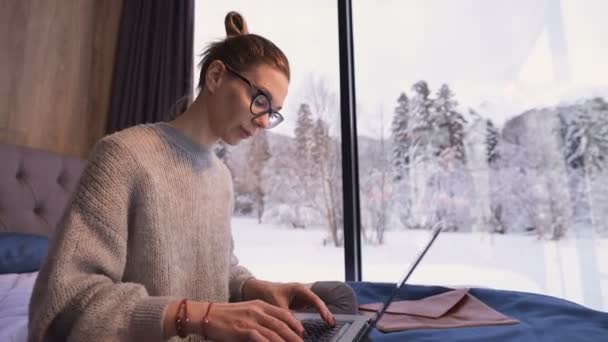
x: 15, y: 291
x: 541, y: 318
x: 36, y: 185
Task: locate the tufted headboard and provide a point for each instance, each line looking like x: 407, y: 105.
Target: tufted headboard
x: 35, y: 187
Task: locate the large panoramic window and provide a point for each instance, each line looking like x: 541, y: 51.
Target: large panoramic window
x: 287, y: 223
x: 490, y: 118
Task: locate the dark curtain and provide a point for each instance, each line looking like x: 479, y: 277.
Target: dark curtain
x: 153, y: 66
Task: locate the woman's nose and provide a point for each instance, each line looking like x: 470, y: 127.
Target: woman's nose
x: 262, y: 121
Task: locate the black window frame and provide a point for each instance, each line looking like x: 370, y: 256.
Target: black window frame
x: 350, y: 154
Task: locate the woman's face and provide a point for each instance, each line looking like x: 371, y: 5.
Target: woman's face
x: 231, y: 118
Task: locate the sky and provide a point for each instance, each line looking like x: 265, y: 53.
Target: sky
x: 499, y: 57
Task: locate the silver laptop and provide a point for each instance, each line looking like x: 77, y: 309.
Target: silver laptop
x: 355, y: 327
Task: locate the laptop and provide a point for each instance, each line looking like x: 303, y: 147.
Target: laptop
x: 355, y: 328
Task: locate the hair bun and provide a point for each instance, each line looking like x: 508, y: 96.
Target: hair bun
x: 235, y: 24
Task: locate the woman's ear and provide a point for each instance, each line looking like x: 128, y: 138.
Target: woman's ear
x: 215, y: 75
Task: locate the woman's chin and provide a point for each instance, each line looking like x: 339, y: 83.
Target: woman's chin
x: 232, y: 141
x: 235, y: 138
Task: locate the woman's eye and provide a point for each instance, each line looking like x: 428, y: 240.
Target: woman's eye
x: 261, y: 101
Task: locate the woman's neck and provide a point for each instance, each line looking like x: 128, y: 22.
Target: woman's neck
x: 194, y: 123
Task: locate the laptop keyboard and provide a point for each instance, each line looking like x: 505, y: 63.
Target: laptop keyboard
x: 319, y: 331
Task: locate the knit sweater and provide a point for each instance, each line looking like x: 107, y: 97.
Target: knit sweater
x: 148, y: 224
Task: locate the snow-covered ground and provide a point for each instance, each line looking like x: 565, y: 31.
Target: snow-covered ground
x: 574, y: 269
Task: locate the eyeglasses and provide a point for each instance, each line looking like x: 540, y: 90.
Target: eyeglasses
x: 260, y: 104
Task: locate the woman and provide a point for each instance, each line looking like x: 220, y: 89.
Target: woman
x: 144, y: 251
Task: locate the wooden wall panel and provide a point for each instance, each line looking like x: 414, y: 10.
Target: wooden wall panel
x: 56, y: 66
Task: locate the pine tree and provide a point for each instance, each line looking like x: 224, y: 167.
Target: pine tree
x: 454, y: 122
x: 259, y: 154
x: 423, y: 152
x: 320, y: 150
x: 304, y: 143
x: 400, y: 138
x: 420, y: 123
x: 585, y: 136
x: 585, y: 132
x: 304, y: 167
x: 303, y: 134
x: 492, y: 136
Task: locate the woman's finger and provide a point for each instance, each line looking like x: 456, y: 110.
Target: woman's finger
x: 286, y: 318
x: 271, y: 335
x: 314, y: 300
x: 254, y: 336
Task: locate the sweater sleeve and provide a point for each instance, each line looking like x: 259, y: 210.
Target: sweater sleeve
x: 79, y: 295
x: 238, y: 276
x: 238, y: 273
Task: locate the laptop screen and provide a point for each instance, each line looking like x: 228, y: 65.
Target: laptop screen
x: 399, y: 285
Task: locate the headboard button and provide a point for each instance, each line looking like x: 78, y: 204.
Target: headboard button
x: 20, y: 175
x: 38, y: 209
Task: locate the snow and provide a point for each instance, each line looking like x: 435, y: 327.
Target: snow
x: 575, y: 269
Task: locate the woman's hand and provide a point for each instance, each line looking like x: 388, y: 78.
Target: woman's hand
x: 287, y: 296
x: 252, y: 321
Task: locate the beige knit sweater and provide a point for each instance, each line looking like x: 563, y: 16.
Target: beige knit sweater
x: 149, y: 223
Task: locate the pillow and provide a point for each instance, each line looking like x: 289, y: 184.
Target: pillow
x: 22, y: 253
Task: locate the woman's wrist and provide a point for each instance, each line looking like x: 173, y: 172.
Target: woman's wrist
x: 169, y: 329
x: 254, y: 289
x: 193, y: 325
x: 206, y: 322
x: 246, y: 289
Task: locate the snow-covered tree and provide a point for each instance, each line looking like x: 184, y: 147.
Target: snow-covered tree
x: 259, y: 154
x: 304, y: 166
x: 329, y: 197
x: 448, y: 119
x: 492, y: 139
x: 585, y: 135
x: 420, y: 123
x: 400, y: 138
x: 376, y: 189
x: 285, y: 204
x: 585, y: 130
x: 303, y: 133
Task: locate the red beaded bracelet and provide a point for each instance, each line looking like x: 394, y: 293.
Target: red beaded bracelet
x: 206, y: 321
x: 181, y: 321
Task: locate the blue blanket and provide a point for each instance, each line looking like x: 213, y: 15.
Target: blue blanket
x: 542, y: 318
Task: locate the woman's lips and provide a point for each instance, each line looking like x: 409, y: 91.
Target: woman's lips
x: 245, y: 133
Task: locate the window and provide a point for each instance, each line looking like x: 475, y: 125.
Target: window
x: 288, y: 219
x: 490, y: 118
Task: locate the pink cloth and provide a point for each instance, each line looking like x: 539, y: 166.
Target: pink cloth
x: 452, y: 309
